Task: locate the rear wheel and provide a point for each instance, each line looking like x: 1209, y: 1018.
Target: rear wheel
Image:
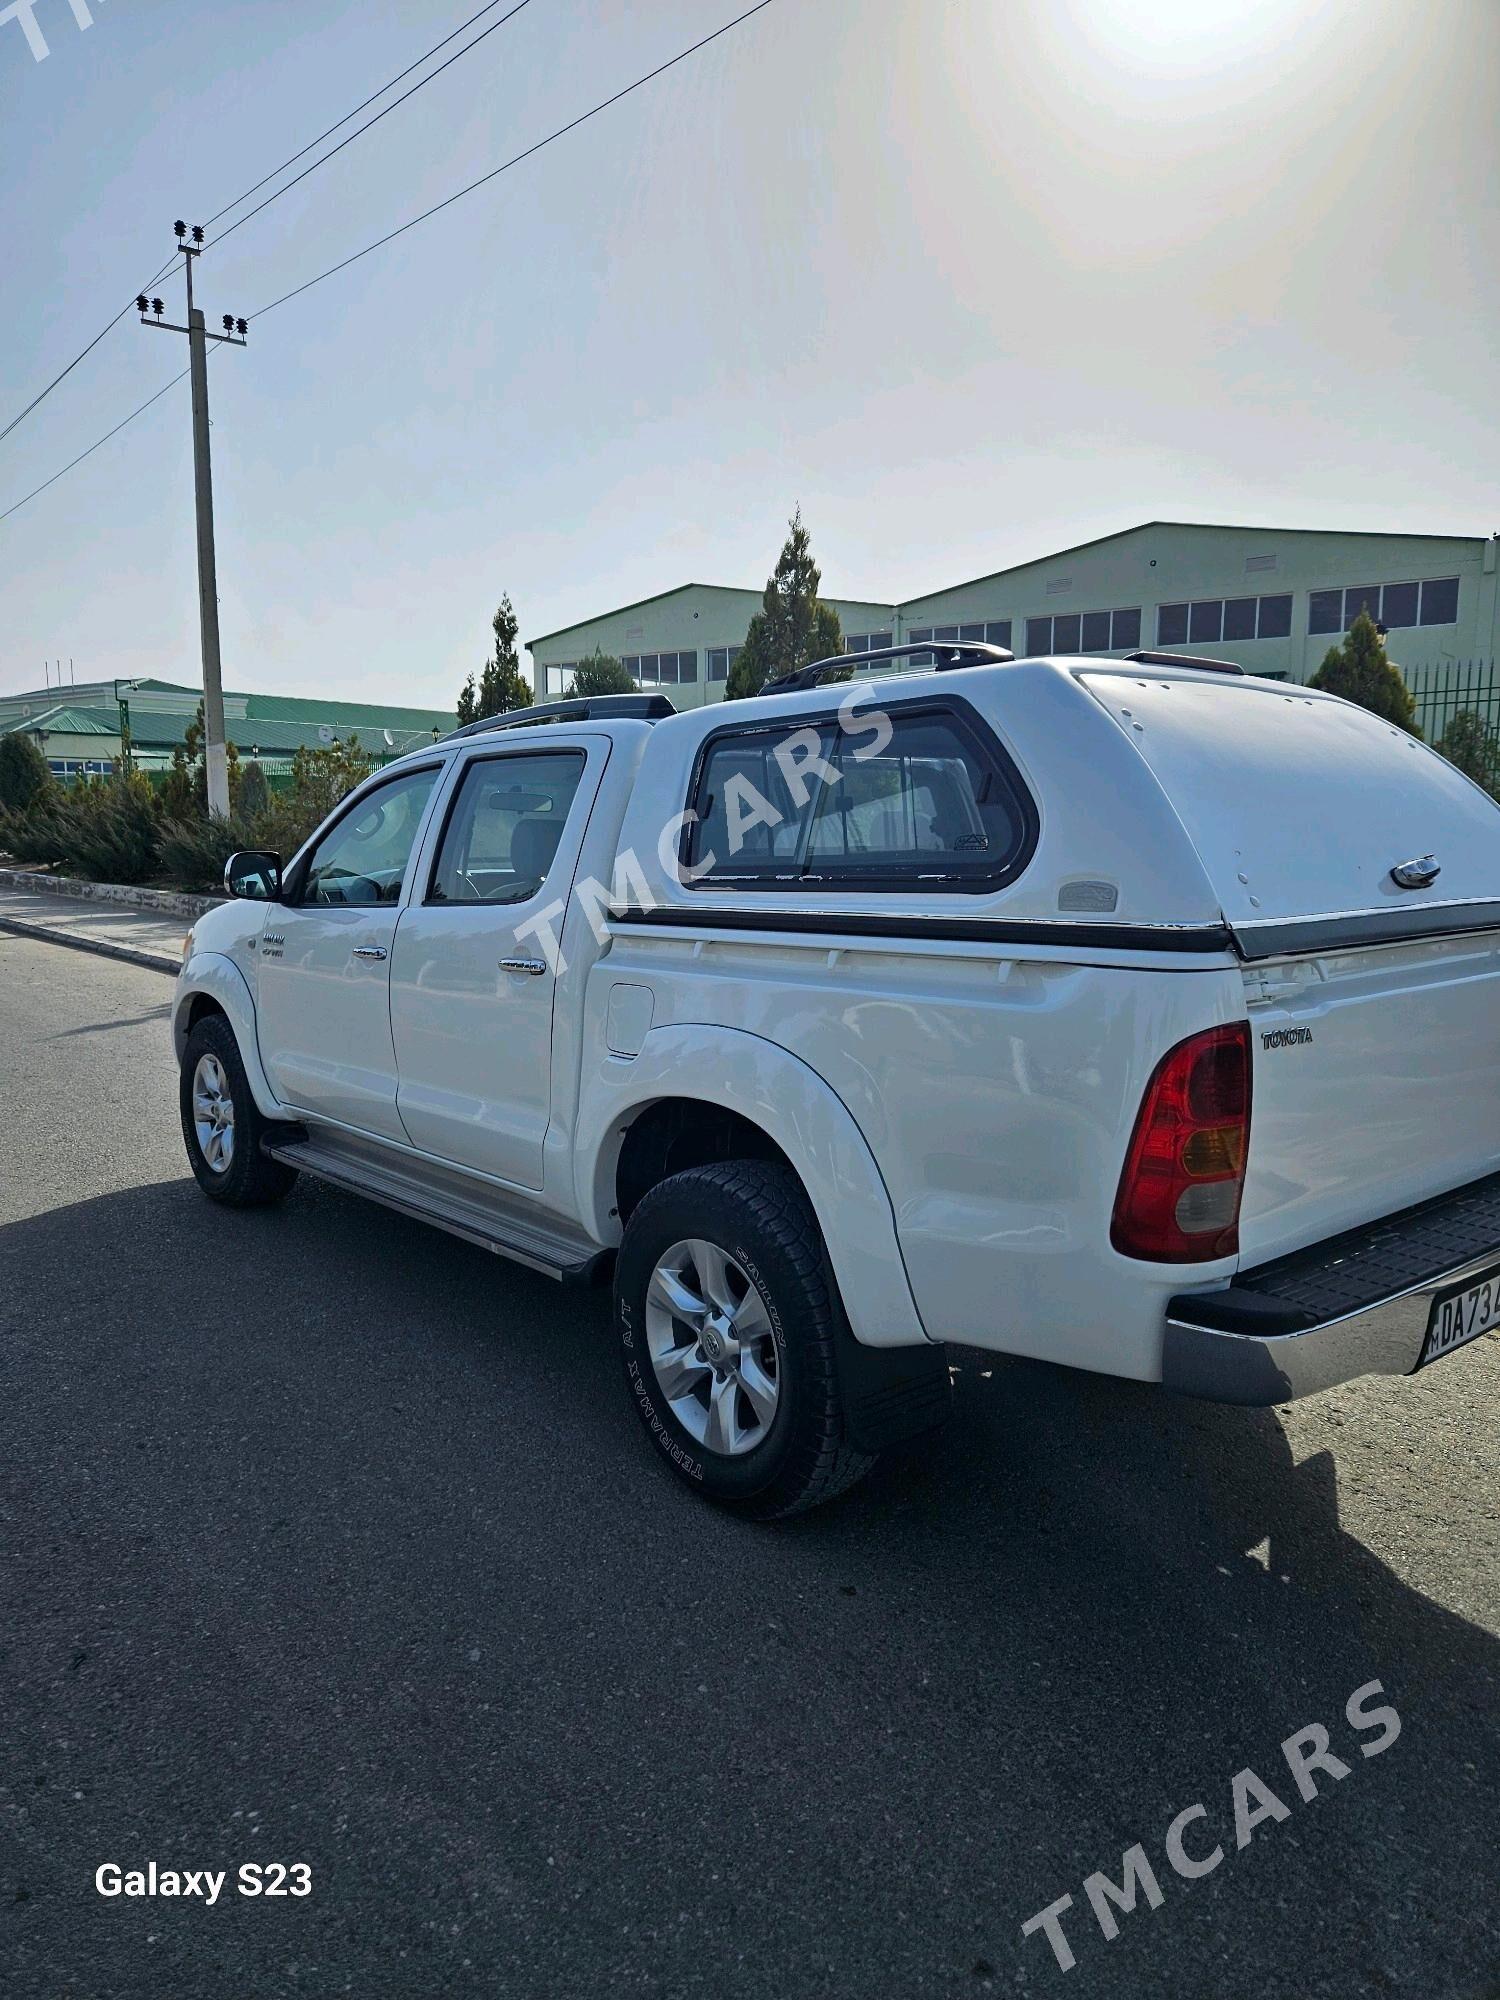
x: 727, y: 1325
x: 222, y: 1126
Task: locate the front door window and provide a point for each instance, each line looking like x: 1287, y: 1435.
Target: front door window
x: 362, y: 859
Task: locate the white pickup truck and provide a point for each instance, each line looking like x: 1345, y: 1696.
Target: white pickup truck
x: 1136, y: 1015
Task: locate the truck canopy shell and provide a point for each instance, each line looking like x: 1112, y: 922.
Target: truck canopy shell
x: 1300, y: 805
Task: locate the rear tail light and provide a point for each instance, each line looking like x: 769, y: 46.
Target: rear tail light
x: 1179, y: 1198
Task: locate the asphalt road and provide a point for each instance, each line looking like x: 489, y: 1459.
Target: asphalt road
x: 327, y: 1539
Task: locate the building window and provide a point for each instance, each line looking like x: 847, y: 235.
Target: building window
x: 1206, y: 621
x: 1325, y: 611
x: 1211, y: 620
x: 1084, y: 632
x: 868, y: 642
x: 1439, y: 602
x: 1275, y: 620
x: 558, y: 678
x: 664, y: 669
x: 1433, y: 602
x: 720, y: 661
x: 1400, y: 602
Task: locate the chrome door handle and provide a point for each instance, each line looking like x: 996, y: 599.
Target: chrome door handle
x: 369, y: 951
x: 532, y: 965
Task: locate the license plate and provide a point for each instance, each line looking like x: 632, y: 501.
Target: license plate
x: 1461, y: 1317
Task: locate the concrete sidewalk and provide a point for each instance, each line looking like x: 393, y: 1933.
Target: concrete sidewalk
x: 141, y: 937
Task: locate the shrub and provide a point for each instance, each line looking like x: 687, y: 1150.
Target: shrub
x: 33, y: 835
x: 1360, y: 672
x: 255, y: 793
x: 106, y: 831
x: 23, y: 772
x: 193, y: 851
x: 1470, y: 743
x: 601, y: 673
x: 320, y: 778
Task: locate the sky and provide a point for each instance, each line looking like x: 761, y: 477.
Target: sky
x: 967, y: 282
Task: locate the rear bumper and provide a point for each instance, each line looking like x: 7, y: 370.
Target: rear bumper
x: 1356, y: 1305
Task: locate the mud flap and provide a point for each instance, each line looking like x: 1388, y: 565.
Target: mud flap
x: 890, y: 1394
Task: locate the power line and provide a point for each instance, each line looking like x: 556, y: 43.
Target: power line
x: 400, y: 77
x: 139, y: 411
x: 385, y: 112
x: 45, y: 393
x: 516, y: 159
x: 426, y: 215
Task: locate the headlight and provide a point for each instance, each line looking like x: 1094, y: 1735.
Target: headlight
x: 187, y: 946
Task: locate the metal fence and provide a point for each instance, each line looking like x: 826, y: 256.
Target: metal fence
x: 1447, y: 692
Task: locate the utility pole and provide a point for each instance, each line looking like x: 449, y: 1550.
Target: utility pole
x: 216, y: 765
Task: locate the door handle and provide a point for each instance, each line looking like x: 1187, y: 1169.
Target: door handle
x: 369, y: 951
x: 532, y: 965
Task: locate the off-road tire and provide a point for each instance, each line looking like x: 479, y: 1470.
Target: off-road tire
x: 757, y: 1211
x: 251, y: 1180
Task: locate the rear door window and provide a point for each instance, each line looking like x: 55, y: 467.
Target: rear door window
x: 504, y: 827
x: 938, y: 803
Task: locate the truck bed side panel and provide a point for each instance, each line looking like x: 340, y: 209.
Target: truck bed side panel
x: 997, y: 1095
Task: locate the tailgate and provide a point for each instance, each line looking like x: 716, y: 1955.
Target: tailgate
x: 1374, y: 1008
x: 1375, y: 1083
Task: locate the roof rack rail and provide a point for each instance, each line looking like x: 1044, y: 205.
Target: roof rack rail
x: 942, y: 658
x: 579, y: 708
x: 1149, y: 659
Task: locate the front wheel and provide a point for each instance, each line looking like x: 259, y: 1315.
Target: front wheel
x: 222, y: 1126
x: 728, y: 1326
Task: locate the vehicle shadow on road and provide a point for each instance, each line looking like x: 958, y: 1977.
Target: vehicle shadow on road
x: 323, y: 1495
x: 161, y: 1013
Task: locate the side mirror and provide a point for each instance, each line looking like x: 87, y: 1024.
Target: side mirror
x: 253, y: 875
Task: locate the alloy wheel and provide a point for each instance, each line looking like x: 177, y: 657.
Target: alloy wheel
x: 712, y: 1347
x: 213, y: 1114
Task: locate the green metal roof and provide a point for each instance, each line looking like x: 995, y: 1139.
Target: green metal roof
x: 363, y: 714
x: 63, y: 722
x: 157, y: 729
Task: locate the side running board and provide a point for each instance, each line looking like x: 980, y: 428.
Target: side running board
x: 448, y: 1199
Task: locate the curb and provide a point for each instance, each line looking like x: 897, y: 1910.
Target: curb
x: 166, y: 902
x: 151, y: 961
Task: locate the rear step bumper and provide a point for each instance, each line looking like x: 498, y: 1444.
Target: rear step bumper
x: 1357, y: 1304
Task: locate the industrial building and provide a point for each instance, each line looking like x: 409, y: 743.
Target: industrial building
x: 683, y: 640
x: 78, y: 726
x: 1272, y: 599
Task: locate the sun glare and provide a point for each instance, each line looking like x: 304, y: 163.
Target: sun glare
x: 1179, y: 37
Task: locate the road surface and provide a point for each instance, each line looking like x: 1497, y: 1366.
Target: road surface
x: 328, y: 1539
